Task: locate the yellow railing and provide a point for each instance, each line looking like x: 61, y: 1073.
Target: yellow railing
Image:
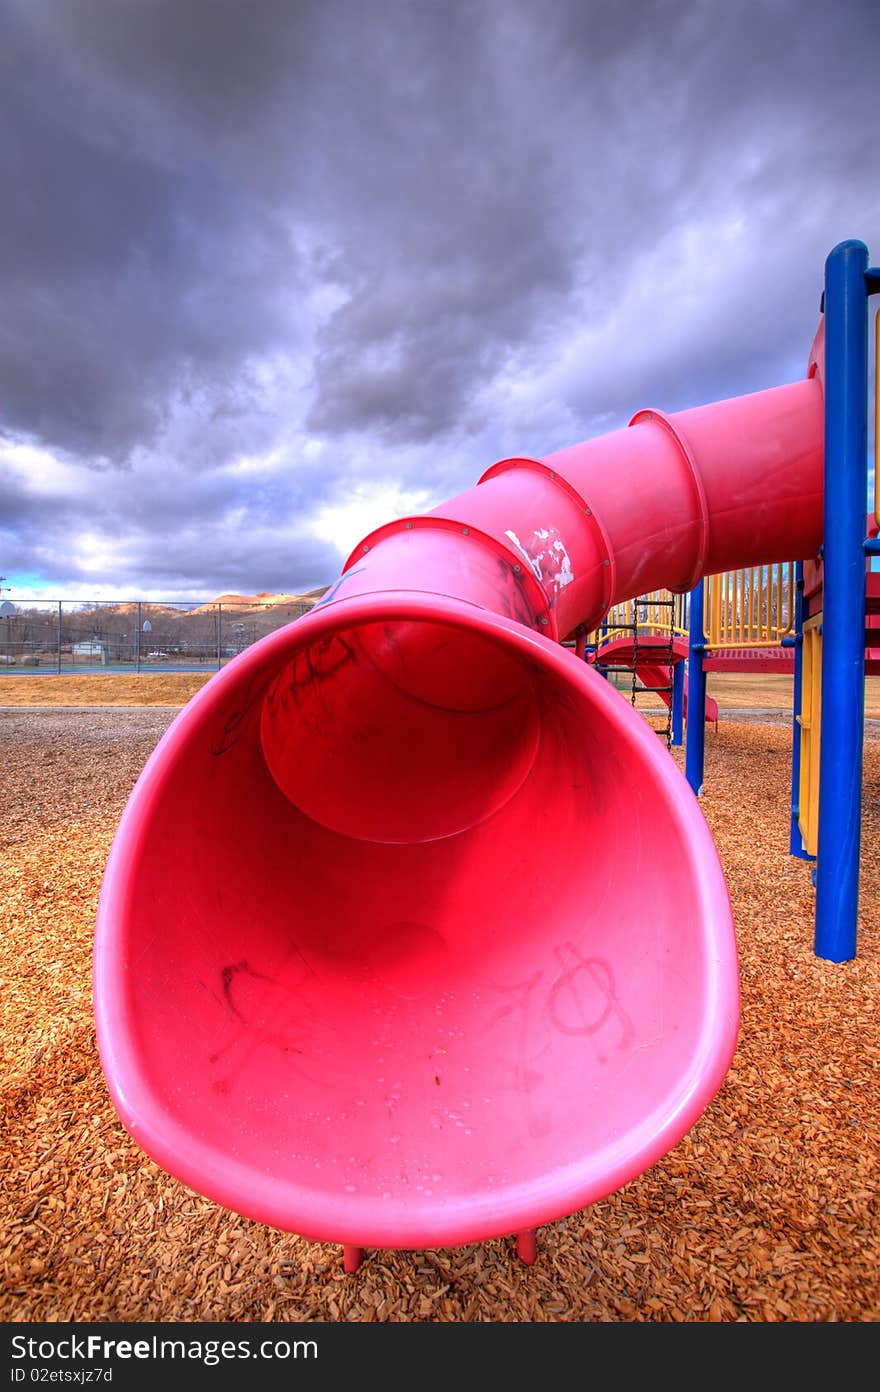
x: 752, y: 608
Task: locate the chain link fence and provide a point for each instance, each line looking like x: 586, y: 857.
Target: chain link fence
x: 58, y: 636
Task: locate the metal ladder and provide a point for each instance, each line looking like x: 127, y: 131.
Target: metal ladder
x: 665, y: 657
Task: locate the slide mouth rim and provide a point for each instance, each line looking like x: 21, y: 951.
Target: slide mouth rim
x: 275, y: 1201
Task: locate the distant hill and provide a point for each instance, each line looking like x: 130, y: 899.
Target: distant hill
x: 245, y: 604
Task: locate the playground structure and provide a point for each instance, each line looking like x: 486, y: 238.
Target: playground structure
x: 645, y: 641
x: 751, y: 616
x: 411, y: 933
x: 750, y: 629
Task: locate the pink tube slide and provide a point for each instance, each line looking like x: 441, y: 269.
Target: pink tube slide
x: 412, y: 933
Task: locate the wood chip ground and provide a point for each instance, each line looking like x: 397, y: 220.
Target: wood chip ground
x: 767, y: 1211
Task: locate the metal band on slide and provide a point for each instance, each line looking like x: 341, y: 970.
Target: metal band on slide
x: 609, y: 566
x: 697, y: 482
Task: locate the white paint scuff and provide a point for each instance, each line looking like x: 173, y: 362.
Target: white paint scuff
x: 552, y: 558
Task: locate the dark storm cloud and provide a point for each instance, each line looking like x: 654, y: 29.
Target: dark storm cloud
x: 393, y: 228
x: 119, y: 288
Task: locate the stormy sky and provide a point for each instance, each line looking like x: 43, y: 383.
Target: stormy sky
x: 275, y: 273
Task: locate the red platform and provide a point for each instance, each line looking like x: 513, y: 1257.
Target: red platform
x: 654, y: 674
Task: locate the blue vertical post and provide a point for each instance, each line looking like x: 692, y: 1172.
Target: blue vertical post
x: 843, y: 607
x: 604, y: 634
x: 677, y: 702
x: 795, y: 840
x: 696, y: 722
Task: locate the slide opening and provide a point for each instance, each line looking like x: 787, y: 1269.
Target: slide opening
x: 411, y: 1023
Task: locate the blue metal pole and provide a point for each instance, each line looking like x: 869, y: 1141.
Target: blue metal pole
x: 796, y: 841
x: 843, y: 606
x: 677, y: 703
x: 696, y: 720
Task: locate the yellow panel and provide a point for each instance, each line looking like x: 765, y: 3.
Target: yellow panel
x: 810, y: 721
